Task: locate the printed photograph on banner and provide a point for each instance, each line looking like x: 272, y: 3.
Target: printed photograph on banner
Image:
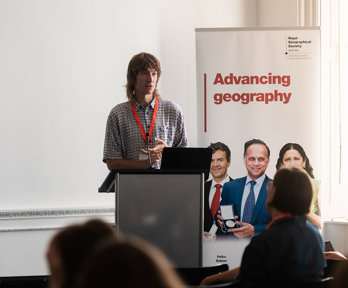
x: 236, y: 210
x: 293, y: 155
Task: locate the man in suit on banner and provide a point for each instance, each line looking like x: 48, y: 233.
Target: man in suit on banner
x: 248, y: 194
x: 220, y: 161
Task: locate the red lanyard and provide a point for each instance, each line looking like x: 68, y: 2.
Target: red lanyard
x: 139, y: 123
x: 278, y: 217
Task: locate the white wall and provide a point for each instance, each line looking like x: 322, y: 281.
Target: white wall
x: 336, y: 231
x: 278, y: 13
x: 63, y: 67
x: 24, y: 238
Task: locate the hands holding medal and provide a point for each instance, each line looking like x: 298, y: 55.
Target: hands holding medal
x: 242, y: 229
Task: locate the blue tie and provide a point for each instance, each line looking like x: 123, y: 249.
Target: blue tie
x: 249, y: 204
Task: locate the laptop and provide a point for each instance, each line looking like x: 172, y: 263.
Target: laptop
x: 328, y: 246
x: 189, y: 158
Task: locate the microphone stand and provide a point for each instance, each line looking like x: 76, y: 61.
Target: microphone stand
x: 148, y: 150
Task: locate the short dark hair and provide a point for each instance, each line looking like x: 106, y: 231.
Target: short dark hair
x: 293, y: 191
x: 74, y: 243
x: 255, y: 141
x: 299, y: 149
x: 223, y: 147
x: 141, y: 62
x: 128, y: 263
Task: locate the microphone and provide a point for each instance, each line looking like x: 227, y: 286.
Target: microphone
x: 148, y: 150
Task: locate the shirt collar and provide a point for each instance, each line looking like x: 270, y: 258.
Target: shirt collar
x: 258, y: 181
x: 138, y: 106
x: 227, y: 179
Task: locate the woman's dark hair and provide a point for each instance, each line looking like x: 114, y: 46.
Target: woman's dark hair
x: 75, y: 242
x: 308, y: 167
x: 293, y: 191
x: 129, y: 264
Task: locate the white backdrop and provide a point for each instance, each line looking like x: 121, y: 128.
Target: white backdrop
x: 257, y: 83
x: 239, y: 54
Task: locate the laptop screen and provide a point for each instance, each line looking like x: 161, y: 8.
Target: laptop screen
x: 190, y: 158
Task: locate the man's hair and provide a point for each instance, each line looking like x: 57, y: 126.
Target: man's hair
x: 293, y: 191
x: 223, y: 147
x: 141, y: 62
x: 255, y: 141
x: 308, y: 167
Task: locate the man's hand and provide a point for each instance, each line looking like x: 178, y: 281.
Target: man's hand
x: 219, y: 219
x: 334, y: 255
x: 223, y: 277
x: 156, y: 152
x: 160, y: 145
x: 245, y: 231
x: 209, y: 237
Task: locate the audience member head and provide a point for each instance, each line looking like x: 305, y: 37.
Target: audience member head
x: 139, y: 63
x: 69, y: 248
x: 293, y: 155
x: 220, y: 161
x: 290, y: 192
x: 256, y: 158
x: 129, y: 263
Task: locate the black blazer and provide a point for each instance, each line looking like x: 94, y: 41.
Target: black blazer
x: 208, y: 218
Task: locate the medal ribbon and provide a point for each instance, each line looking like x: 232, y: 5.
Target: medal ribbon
x: 139, y: 123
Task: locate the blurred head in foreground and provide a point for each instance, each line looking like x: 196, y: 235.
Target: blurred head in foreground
x: 128, y: 263
x: 69, y: 248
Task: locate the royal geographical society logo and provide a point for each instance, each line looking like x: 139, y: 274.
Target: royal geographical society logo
x: 298, y: 47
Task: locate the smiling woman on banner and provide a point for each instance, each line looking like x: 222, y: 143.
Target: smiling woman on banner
x: 139, y: 129
x: 293, y: 155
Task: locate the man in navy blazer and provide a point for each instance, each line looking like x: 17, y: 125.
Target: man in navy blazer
x: 236, y: 192
x: 220, y: 161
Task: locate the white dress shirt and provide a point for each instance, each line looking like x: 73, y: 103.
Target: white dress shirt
x: 213, y: 189
x: 257, y: 188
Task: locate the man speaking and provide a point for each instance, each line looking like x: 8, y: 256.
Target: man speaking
x: 139, y: 129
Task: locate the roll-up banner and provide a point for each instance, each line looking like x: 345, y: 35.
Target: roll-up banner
x: 259, y: 83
